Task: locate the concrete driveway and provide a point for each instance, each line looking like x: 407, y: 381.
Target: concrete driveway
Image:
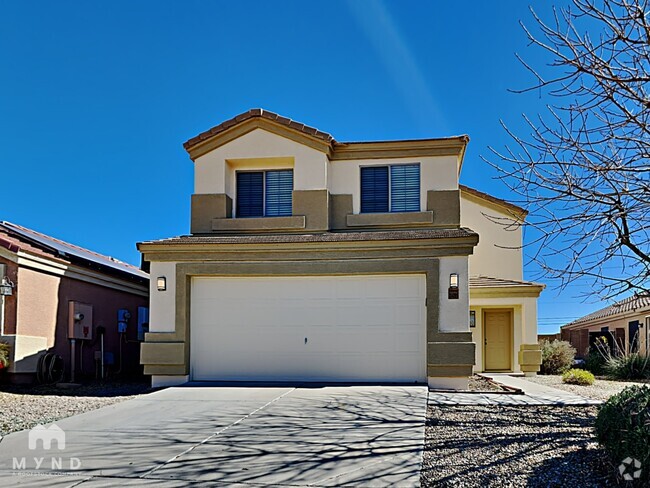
x: 363, y: 435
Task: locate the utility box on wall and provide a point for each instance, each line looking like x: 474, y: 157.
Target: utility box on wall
x: 80, y: 320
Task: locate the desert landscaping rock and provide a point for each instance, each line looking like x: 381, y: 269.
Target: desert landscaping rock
x: 478, y: 383
x: 498, y: 446
x: 23, y: 407
x: 602, y: 389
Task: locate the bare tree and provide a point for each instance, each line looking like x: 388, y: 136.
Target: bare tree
x: 583, y: 172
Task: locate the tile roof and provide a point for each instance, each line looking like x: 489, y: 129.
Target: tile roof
x: 639, y: 301
x: 253, y: 113
x: 18, y: 238
x: 14, y: 244
x: 493, y: 199
x: 325, y: 237
x: 489, y: 282
x: 300, y: 127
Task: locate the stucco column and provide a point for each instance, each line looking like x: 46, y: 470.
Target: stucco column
x: 530, y: 354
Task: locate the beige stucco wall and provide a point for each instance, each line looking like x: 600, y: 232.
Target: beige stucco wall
x: 26, y: 351
x: 453, y: 312
x: 162, y: 304
x: 214, y: 172
x: 38, y: 300
x: 436, y: 173
x: 524, y: 318
x: 498, y: 253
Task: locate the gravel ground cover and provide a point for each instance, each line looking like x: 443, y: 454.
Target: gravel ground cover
x: 22, y: 407
x: 602, y: 388
x: 478, y: 383
x: 523, y: 446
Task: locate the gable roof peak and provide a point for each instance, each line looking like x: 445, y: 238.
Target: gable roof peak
x: 258, y: 113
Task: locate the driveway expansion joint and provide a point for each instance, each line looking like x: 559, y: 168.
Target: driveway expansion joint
x: 216, y: 434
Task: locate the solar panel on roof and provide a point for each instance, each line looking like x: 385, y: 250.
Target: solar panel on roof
x: 65, y: 249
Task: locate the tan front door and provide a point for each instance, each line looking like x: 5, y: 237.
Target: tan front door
x: 497, y: 333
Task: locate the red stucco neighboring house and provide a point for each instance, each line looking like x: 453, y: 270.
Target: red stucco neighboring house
x: 55, y: 291
x: 624, y: 323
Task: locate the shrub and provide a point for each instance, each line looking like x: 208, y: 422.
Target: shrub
x: 629, y: 366
x: 578, y: 377
x: 4, y: 355
x: 623, y: 427
x: 557, y: 357
x: 621, y: 364
x: 595, y: 362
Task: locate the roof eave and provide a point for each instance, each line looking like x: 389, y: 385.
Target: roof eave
x: 512, y: 209
x: 443, y: 146
x: 511, y: 291
x: 607, y: 318
x: 201, y: 147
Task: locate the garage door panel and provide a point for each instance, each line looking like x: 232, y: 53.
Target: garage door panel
x: 407, y: 341
x: 408, y: 314
x: 320, y: 314
x: 358, y: 328
x: 409, y: 289
x: 350, y: 313
x: 378, y: 313
x: 379, y: 288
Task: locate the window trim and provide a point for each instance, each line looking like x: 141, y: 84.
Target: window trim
x: 390, y: 193
x: 263, y: 171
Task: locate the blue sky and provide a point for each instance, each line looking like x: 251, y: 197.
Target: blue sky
x: 96, y: 98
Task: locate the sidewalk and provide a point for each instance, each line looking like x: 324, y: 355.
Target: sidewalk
x: 534, y: 394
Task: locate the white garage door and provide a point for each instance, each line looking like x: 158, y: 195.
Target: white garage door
x: 320, y: 328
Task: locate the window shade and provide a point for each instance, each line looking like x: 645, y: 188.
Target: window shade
x: 374, y: 189
x: 405, y: 188
x: 279, y: 189
x: 250, y: 194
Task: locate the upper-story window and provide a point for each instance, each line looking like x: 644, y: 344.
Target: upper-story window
x: 394, y: 188
x: 264, y: 193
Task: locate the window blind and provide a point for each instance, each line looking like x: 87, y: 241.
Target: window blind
x: 374, y: 189
x: 250, y: 194
x: 405, y: 188
x: 279, y: 189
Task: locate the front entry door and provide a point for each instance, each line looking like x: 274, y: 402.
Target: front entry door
x: 497, y: 333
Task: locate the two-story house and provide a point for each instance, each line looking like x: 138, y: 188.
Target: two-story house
x: 316, y: 260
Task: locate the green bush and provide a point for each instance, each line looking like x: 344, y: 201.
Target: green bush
x: 623, y: 427
x: 4, y: 355
x: 595, y: 362
x: 578, y: 377
x: 628, y: 366
x: 557, y: 357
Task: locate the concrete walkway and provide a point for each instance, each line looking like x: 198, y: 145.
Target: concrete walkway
x: 227, y: 436
x: 534, y: 394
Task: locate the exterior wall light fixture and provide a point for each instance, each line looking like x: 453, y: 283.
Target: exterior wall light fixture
x: 453, y: 286
x: 6, y: 287
x: 162, y: 283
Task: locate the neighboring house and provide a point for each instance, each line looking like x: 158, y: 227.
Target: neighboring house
x: 316, y: 260
x: 626, y: 322
x: 55, y: 290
